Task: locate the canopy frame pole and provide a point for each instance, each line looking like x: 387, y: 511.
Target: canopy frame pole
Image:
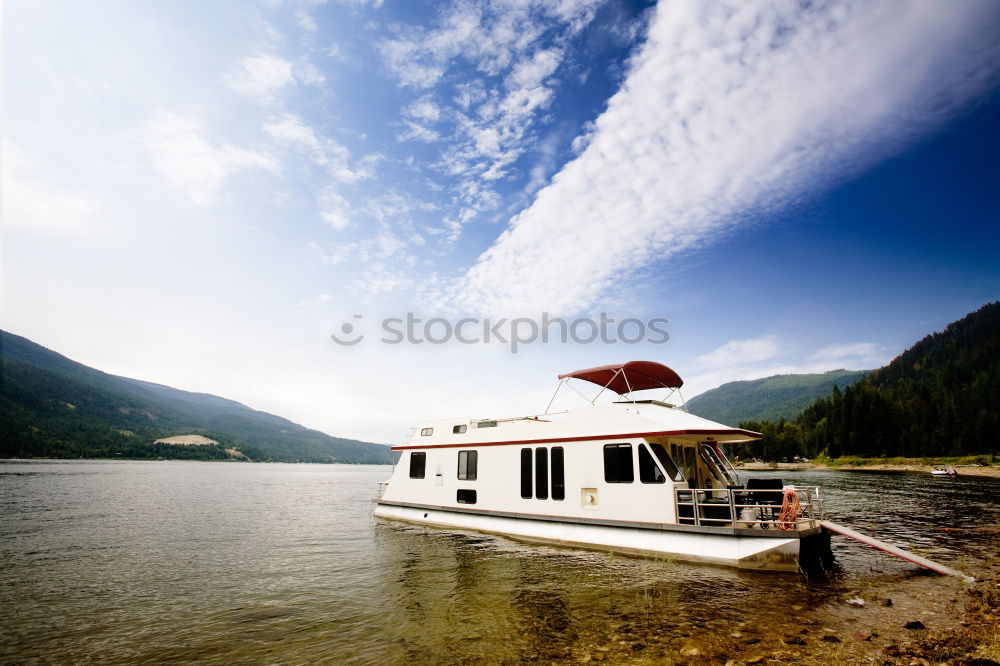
x: 628, y: 385
x: 578, y: 391
x: 553, y: 399
x: 619, y: 370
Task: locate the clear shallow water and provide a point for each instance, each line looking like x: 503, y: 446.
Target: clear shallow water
x: 213, y: 562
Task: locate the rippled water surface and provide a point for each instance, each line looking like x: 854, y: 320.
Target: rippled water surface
x: 112, y: 561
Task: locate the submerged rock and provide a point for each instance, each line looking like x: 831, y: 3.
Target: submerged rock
x: 914, y: 624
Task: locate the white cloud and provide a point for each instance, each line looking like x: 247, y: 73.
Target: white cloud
x: 262, y: 76
x: 423, y: 109
x: 417, y: 132
x: 290, y: 131
x: 189, y: 163
x: 29, y: 201
x: 854, y: 355
x: 335, y: 159
x: 742, y: 352
x: 731, y: 110
x: 514, y: 50
x: 334, y: 209
x: 309, y: 74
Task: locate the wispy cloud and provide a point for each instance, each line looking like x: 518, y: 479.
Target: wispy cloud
x: 505, y: 57
x: 262, y: 76
x: 741, y: 352
x: 729, y: 111
x: 339, y: 168
x: 291, y: 132
x: 852, y: 355
x: 192, y: 165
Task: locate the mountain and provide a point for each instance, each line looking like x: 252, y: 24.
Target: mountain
x: 938, y: 398
x: 769, y: 399
x: 52, y: 406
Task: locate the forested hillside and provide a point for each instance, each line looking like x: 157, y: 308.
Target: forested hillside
x: 769, y: 399
x: 941, y: 397
x: 51, y: 406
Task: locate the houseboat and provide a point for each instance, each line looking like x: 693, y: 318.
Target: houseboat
x: 632, y: 475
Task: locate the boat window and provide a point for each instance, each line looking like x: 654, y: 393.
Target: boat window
x: 459, y: 429
x: 618, y: 463
x: 558, y: 474
x: 541, y: 473
x: 526, y: 473
x: 424, y: 432
x: 648, y: 471
x: 486, y: 424
x: 465, y: 496
x: 467, y: 463
x: 418, y: 463
x: 666, y: 462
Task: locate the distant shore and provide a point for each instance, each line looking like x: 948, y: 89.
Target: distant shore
x: 963, y: 470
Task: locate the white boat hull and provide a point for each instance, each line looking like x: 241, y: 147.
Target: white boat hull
x: 763, y: 553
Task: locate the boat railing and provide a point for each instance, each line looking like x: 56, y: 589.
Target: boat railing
x: 380, y: 491
x: 749, y: 509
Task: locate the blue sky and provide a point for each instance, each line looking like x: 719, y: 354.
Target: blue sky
x: 200, y: 195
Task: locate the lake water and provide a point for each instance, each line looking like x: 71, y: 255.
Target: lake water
x: 115, y: 561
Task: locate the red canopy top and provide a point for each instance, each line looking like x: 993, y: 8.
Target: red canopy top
x: 632, y: 376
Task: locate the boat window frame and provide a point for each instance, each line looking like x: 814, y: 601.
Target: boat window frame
x: 426, y: 432
x: 617, y: 465
x: 677, y: 475
x: 527, y: 474
x: 647, y: 463
x: 558, y: 486
x: 467, y: 471
x: 420, y: 456
x: 542, y: 473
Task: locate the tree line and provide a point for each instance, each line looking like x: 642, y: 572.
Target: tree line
x: 939, y: 398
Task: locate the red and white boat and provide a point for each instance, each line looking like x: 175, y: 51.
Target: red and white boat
x: 635, y: 476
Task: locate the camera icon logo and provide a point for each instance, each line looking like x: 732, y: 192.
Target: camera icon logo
x: 347, y: 337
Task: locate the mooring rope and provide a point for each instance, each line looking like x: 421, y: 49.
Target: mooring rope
x: 791, y: 509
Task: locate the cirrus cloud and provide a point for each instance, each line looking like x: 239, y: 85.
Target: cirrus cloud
x: 732, y: 111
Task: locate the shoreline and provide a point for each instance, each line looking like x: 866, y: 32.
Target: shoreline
x: 992, y: 471
x: 913, y: 618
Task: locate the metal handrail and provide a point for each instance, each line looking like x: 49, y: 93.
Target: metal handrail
x: 810, y: 501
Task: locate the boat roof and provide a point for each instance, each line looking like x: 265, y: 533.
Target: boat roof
x: 615, y: 420
x: 630, y: 376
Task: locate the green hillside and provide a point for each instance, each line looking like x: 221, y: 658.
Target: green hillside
x: 51, y: 406
x: 769, y: 399
x: 939, y: 398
